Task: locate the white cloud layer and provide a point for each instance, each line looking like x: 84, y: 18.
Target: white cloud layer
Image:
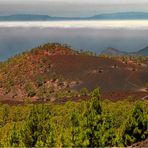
x: 130, y: 24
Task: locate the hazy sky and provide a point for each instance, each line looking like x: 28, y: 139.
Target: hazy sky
x: 70, y: 7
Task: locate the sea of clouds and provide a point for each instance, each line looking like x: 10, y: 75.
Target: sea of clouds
x: 121, y: 24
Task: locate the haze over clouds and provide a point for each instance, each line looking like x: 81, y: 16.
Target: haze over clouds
x: 70, y: 7
x: 15, y: 40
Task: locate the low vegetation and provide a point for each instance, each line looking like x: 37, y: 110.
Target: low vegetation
x: 92, y: 123
x: 31, y: 71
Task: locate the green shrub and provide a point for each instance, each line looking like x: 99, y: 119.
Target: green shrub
x: 30, y: 89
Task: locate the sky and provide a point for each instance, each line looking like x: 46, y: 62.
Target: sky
x: 70, y: 7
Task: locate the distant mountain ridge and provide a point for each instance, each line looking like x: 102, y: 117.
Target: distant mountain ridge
x: 24, y: 17
x: 32, y: 17
x: 143, y: 51
x: 113, y: 51
x: 116, y: 52
x: 108, y: 16
x: 122, y: 16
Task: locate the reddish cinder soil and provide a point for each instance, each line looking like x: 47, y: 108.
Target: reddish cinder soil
x: 142, y: 144
x: 109, y: 74
x: 116, y: 79
x: 115, y: 96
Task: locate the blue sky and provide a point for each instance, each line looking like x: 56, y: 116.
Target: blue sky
x: 70, y: 7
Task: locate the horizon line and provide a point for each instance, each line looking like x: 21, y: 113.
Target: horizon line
x: 107, y: 13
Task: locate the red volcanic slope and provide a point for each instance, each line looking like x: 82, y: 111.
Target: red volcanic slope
x: 117, y: 78
x: 109, y: 74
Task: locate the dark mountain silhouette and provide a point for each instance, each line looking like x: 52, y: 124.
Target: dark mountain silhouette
x: 22, y: 17
x: 122, y: 15
x: 113, y: 51
x: 143, y: 51
x: 108, y: 16
x: 31, y: 17
x: 116, y: 52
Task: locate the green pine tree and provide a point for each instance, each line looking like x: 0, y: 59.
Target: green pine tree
x: 75, y: 128
x: 15, y: 138
x: 136, y: 127
x: 91, y: 120
x: 37, y: 127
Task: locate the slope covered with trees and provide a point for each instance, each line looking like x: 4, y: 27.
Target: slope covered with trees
x: 93, y: 123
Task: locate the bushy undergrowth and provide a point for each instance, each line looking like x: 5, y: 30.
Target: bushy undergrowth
x: 91, y: 123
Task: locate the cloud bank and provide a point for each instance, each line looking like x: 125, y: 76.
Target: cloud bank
x: 130, y: 24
